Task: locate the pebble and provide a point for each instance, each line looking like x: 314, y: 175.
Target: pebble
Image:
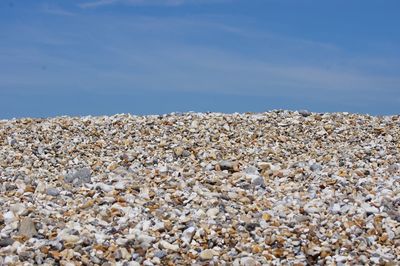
x: 104, y: 187
x: 206, y: 254
x: 164, y: 244
x: 9, y: 217
x: 248, y: 261
x: 10, y: 260
x: 339, y: 258
x: 251, y: 170
x: 70, y: 238
x: 274, y: 188
x: 40, y: 188
x: 305, y: 113
x: 78, y: 176
x: 315, y: 167
x: 4, y: 242
x: 160, y: 254
x: 27, y: 227
x: 53, y: 192
x: 258, y: 181
x: 145, y: 240
x: 228, y: 165
x: 18, y: 209
x: 188, y: 234
x: 369, y: 209
x: 212, y: 212
x: 179, y: 151
x: 336, y: 208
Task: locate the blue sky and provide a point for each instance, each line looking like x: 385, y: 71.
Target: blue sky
x: 158, y: 56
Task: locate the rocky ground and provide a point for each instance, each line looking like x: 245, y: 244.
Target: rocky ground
x: 276, y: 188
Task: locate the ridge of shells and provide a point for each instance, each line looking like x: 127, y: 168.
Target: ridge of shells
x: 274, y: 188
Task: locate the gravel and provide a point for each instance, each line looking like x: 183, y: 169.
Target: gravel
x: 275, y: 188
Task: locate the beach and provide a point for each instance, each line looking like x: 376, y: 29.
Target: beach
x: 274, y: 188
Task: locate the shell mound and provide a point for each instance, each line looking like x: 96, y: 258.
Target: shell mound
x: 280, y: 188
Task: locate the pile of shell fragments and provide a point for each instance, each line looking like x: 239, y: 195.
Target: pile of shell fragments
x: 276, y: 188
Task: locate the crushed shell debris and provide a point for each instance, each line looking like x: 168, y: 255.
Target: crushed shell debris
x: 275, y: 188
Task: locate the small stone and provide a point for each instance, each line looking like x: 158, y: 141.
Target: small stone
x: 164, y: 244
x: 363, y: 259
x: 256, y: 249
x: 156, y: 261
x: 53, y: 192
x: 206, y: 254
x: 70, y: 238
x: 160, y: 254
x: 4, y: 242
x: 163, y: 169
x: 335, y: 208
x: 10, y: 260
x: 312, y: 209
x: 194, y: 124
x: 112, y: 166
x: 258, y: 181
x: 212, y: 212
x: 251, y: 226
x: 94, y: 259
x: 264, y: 166
x: 104, y: 187
x: 188, y: 234
x: 375, y: 260
x: 305, y: 113
x: 315, y: 167
x: 251, y: 170
x: 121, y: 241
x: 78, y: 176
x: 248, y: 261
x: 266, y: 217
x: 122, y: 253
x: 120, y: 185
x: 340, y: 258
x: 100, y: 237
x: 186, y: 153
x: 27, y: 227
x: 178, y: 151
x: 18, y: 209
x: 159, y: 226
x: 229, y: 165
x: 369, y: 209
x: 40, y: 188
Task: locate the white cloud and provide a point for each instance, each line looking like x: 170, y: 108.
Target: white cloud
x: 55, y: 10
x: 99, y: 3
x: 190, y: 68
